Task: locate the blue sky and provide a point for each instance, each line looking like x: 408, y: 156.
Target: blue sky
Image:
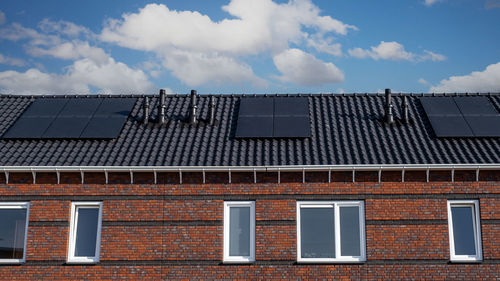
x: 258, y: 46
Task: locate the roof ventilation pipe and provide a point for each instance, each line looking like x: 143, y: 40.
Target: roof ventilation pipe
x: 211, y: 111
x: 146, y: 110
x: 192, y: 108
x: 161, y: 107
x: 389, y: 118
x: 406, y: 119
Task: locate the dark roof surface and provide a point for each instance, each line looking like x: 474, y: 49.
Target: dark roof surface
x: 345, y: 130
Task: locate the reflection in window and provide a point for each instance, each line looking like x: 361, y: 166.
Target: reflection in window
x: 330, y: 231
x: 465, y: 232
x: 85, y: 232
x: 239, y: 231
x: 13, y: 230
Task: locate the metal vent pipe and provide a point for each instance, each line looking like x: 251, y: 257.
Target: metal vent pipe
x: 211, y: 111
x: 192, y: 108
x: 146, y: 110
x: 389, y: 118
x: 406, y: 119
x: 161, y: 107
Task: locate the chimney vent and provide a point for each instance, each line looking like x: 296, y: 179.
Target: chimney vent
x: 192, y: 108
x: 161, y: 107
x: 389, y: 118
x: 146, y: 110
x: 211, y: 111
x: 406, y: 119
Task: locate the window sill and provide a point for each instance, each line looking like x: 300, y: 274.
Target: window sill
x: 12, y: 261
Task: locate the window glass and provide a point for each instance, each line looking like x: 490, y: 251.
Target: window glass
x: 12, y: 233
x: 463, y: 230
x: 350, y: 231
x: 86, y: 232
x: 239, y: 232
x: 239, y: 224
x: 317, y: 232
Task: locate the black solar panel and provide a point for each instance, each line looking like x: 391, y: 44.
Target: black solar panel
x: 279, y: 117
x: 484, y: 126
x: 450, y: 126
x: 80, y: 107
x: 62, y: 118
x: 66, y: 128
x: 116, y: 107
x: 28, y: 128
x: 291, y: 127
x: 103, y: 128
x: 440, y: 106
x: 291, y: 106
x: 462, y: 116
x: 45, y: 107
x: 475, y: 106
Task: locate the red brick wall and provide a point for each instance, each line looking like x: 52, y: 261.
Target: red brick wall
x: 174, y: 231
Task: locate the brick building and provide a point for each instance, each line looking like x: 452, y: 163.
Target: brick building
x: 351, y: 186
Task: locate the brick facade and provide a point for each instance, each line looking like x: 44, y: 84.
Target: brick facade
x: 175, y: 231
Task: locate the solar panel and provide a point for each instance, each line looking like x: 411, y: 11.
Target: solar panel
x: 62, y: 118
x: 273, y: 117
x: 66, y: 127
x: 256, y: 107
x: 440, y: 106
x: 484, y: 126
x: 116, y: 107
x: 291, y: 127
x: 28, y: 128
x: 80, y: 107
x: 473, y: 116
x: 103, y: 127
x: 450, y: 126
x: 475, y: 106
x: 254, y: 127
x: 291, y: 106
x: 49, y: 107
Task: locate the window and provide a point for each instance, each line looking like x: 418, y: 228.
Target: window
x: 329, y: 231
x: 465, y: 230
x: 13, y: 231
x: 85, y: 232
x: 239, y: 231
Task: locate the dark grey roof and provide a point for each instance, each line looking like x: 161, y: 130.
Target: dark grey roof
x: 345, y: 129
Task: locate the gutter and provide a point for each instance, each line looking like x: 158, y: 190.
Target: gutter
x: 285, y: 168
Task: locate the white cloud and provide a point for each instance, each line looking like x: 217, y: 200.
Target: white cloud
x: 487, y: 80
x: 429, y: 3
x: 198, y: 50
x: 195, y: 69
x: 11, y: 61
x: 385, y: 50
x: 111, y: 77
x: 393, y: 51
x: 325, y: 45
x: 70, y: 51
x: 302, y: 68
x: 63, y: 28
x: 432, y: 56
x: 492, y: 4
x: 3, y: 19
x: 423, y: 81
x: 257, y: 25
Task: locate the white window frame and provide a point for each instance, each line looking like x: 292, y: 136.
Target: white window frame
x: 474, y: 204
x: 18, y: 205
x: 239, y: 259
x: 335, y: 205
x: 73, y: 229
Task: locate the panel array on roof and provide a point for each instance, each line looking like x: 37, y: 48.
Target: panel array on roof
x: 279, y: 117
x: 462, y: 116
x: 72, y: 118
